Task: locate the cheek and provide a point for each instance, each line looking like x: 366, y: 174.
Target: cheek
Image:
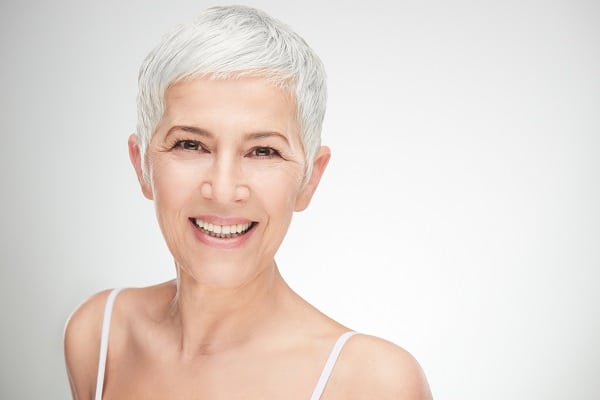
x: 174, y: 183
x: 276, y: 183
x: 177, y: 183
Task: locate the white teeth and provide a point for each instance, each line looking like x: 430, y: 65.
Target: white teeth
x: 222, y: 231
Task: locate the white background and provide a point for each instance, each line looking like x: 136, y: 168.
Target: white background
x: 459, y: 216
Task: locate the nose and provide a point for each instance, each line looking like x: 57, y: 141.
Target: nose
x: 224, y: 182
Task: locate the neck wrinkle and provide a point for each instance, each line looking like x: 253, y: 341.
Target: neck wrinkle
x: 215, y: 320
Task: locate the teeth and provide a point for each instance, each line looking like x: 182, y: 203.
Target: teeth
x: 222, y: 231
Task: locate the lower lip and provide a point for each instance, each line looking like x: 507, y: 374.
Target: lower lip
x: 222, y: 243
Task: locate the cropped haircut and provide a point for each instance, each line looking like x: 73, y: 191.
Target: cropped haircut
x: 229, y: 43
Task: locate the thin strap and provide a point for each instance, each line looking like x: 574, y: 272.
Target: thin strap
x: 104, y: 342
x: 333, y: 356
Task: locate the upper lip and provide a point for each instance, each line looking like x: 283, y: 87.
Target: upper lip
x: 217, y: 220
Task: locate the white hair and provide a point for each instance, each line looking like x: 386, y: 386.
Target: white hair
x: 228, y: 43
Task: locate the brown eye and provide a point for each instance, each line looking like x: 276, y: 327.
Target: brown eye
x: 264, y: 152
x: 188, y: 145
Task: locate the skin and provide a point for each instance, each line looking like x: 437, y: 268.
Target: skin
x: 228, y: 327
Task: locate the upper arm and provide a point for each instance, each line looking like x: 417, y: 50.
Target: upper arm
x: 82, y: 344
x: 386, y: 370
x: 402, y: 377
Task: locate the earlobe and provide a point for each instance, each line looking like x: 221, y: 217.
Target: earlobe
x: 136, y: 160
x: 319, y: 164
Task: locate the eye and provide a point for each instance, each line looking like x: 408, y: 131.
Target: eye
x: 264, y: 152
x: 191, y: 145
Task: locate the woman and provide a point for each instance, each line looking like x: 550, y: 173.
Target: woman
x: 228, y: 147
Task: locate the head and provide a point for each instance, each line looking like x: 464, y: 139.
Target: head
x: 229, y: 43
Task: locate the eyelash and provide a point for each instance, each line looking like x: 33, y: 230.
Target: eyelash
x: 271, y: 152
x: 194, y: 145
x: 183, y: 145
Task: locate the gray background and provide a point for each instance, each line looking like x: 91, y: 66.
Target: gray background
x: 459, y: 217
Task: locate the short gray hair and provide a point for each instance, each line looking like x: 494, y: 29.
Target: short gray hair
x: 228, y: 43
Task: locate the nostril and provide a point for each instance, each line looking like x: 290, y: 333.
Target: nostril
x: 242, y: 193
x: 224, y: 193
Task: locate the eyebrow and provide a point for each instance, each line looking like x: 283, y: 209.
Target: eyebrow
x: 190, y: 129
x: 262, y: 135
x: 205, y: 133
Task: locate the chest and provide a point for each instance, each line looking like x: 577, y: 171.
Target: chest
x: 237, y: 377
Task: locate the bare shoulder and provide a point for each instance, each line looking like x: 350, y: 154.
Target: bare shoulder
x: 82, y: 343
x: 83, y: 330
x: 386, y: 371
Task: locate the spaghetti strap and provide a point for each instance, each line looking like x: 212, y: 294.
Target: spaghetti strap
x: 316, y: 395
x: 333, y: 356
x: 104, y: 342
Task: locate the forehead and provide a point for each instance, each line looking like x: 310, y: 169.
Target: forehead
x: 243, y: 104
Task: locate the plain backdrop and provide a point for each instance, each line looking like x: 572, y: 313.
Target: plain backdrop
x: 459, y: 216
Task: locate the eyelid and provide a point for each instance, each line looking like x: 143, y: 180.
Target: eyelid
x: 274, y: 151
x: 177, y: 143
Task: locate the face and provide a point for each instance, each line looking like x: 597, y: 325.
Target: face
x: 226, y: 165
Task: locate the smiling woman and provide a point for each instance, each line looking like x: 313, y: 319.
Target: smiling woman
x: 226, y: 153
x: 228, y: 148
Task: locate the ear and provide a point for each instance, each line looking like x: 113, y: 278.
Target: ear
x: 319, y: 164
x: 136, y: 160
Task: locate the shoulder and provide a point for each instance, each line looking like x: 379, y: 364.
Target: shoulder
x: 82, y: 344
x: 83, y: 331
x: 386, y: 371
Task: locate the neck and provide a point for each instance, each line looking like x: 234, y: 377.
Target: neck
x: 211, y: 320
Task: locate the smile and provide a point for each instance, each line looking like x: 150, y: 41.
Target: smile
x: 222, y: 231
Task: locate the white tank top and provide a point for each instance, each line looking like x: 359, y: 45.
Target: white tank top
x: 327, y: 369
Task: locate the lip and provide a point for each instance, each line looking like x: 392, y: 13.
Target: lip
x: 222, y: 243
x: 216, y: 220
